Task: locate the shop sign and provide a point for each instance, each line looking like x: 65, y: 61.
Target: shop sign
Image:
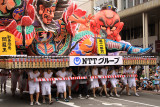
x: 95, y: 60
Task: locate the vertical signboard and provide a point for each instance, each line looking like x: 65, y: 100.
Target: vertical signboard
x: 7, y: 44
x: 101, y: 46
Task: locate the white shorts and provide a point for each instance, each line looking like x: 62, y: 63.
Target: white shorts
x: 94, y: 83
x: 132, y: 83
x: 69, y: 83
x: 113, y: 82
x: 32, y: 90
x: 124, y: 81
x: 46, y: 90
x: 103, y: 81
x: 61, y: 88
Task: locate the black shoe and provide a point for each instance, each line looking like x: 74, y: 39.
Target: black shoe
x: 66, y: 100
x: 57, y: 99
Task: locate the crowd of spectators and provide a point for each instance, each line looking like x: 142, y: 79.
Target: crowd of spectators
x: 152, y: 83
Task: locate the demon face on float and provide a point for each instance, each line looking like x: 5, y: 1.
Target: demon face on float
x: 107, y: 22
x: 47, y: 14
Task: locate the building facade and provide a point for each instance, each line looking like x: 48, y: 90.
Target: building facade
x: 142, y: 21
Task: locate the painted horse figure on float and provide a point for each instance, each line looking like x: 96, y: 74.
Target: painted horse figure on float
x: 61, y: 30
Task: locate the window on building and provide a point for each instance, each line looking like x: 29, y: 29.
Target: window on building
x: 137, y: 2
x: 137, y: 32
x: 128, y: 34
x: 115, y: 3
x: 145, y: 1
x: 151, y: 30
x: 123, y: 2
x: 130, y: 3
x: 132, y: 33
x: 141, y: 32
x: 123, y: 34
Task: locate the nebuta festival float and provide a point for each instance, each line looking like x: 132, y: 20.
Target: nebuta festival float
x: 60, y: 28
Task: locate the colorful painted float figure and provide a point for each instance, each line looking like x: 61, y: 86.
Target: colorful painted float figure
x: 17, y: 17
x: 59, y: 28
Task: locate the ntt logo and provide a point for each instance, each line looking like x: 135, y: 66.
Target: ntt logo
x: 77, y: 60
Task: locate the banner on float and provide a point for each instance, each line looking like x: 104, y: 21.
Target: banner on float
x: 95, y: 60
x: 101, y: 46
x: 7, y: 44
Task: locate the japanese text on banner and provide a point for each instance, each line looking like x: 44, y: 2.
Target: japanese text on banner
x: 95, y: 60
x: 101, y: 46
x: 7, y: 44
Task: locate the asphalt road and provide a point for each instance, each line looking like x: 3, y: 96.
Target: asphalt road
x: 145, y: 100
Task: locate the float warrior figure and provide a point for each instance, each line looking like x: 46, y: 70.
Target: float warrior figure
x: 51, y: 35
x: 62, y: 37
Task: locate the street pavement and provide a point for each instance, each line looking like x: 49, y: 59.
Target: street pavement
x: 145, y: 100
